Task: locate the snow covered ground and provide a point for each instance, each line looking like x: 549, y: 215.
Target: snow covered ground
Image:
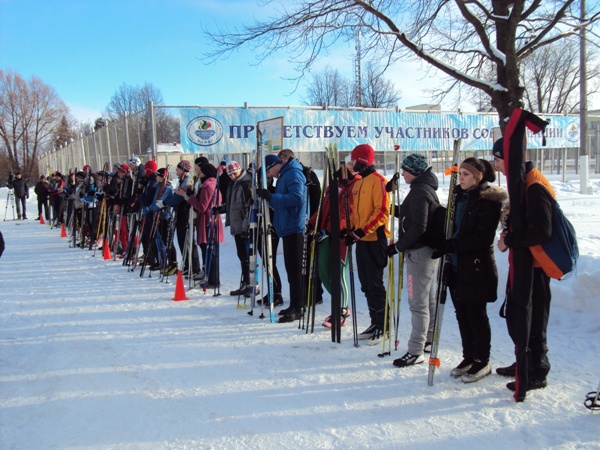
x: 95, y: 357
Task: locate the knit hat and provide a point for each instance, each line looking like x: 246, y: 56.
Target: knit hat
x: 271, y: 161
x: 415, y: 164
x: 150, y: 167
x: 233, y: 167
x: 498, y: 149
x: 86, y: 167
x: 161, y: 172
x: 124, y: 168
x: 81, y: 174
x: 363, y: 153
x: 201, y: 161
x: 184, y: 165
x: 135, y: 161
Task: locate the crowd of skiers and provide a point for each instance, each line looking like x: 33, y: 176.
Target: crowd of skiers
x: 135, y: 211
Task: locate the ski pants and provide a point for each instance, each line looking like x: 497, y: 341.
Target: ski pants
x: 21, y: 203
x: 421, y: 287
x: 527, y: 316
x: 42, y: 203
x: 241, y: 246
x: 473, y: 324
x: 371, y: 259
x: 292, y: 257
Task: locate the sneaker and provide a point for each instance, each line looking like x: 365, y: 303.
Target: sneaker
x: 462, y: 368
x: 345, y: 313
x: 248, y: 292
x: 285, y: 311
x: 240, y: 291
x: 427, y: 348
x: 199, y: 276
x: 265, y: 300
x: 377, y: 336
x: 409, y: 360
x: 508, y: 371
x: 478, y: 370
x: 367, y: 334
x: 170, y: 270
x: 531, y: 385
x: 293, y: 315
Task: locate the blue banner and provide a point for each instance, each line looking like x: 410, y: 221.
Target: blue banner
x: 226, y: 130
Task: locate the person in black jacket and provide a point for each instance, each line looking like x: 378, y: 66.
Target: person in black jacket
x: 21, y: 190
x: 473, y: 278
x: 42, y: 190
x: 415, y: 213
x: 528, y: 304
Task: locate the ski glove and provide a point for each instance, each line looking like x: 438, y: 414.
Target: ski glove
x: 393, y: 183
x: 160, y: 204
x: 440, y: 251
x: 264, y: 194
x: 391, y: 250
x: 320, y: 236
x: 354, y: 235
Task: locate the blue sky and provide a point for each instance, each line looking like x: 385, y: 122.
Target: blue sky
x: 87, y: 49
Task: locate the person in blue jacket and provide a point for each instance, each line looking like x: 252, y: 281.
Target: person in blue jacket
x: 289, y: 216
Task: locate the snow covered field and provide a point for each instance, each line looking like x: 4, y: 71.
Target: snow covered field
x: 95, y: 357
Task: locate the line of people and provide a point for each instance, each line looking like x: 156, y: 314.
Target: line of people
x: 141, y: 199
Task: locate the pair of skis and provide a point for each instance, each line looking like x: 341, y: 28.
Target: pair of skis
x: 445, y: 266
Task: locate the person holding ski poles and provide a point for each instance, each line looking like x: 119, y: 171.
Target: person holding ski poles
x: 321, y: 232
x: 369, y: 231
x: 237, y: 218
x: 473, y: 278
x: 289, y: 216
x: 415, y: 213
x: 208, y: 195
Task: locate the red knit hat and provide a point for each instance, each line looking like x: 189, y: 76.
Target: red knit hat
x: 363, y: 153
x: 184, y: 165
x: 233, y: 167
x: 124, y: 168
x: 151, y: 167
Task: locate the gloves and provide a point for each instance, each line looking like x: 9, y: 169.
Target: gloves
x: 393, y: 183
x: 441, y: 250
x: 391, y: 250
x: 353, y: 236
x: 145, y: 211
x: 320, y: 236
x: 160, y: 204
x: 264, y: 194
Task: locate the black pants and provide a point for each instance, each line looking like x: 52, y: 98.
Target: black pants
x: 43, y: 203
x: 241, y: 246
x: 474, y: 326
x: 274, y: 246
x: 292, y: 257
x: 527, y: 315
x: 21, y: 202
x: 371, y: 259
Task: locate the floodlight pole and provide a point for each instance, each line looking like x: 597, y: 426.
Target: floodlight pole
x: 584, y: 165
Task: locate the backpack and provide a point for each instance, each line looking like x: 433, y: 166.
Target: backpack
x: 558, y: 256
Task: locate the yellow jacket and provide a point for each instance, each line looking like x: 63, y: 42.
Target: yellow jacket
x: 371, y: 205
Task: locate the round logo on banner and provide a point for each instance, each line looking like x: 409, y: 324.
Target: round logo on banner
x: 204, y: 131
x: 573, y: 132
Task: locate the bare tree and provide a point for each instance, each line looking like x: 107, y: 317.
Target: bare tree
x: 328, y: 87
x: 551, y: 78
x: 132, y: 101
x: 30, y: 113
x: 377, y: 91
x: 457, y: 37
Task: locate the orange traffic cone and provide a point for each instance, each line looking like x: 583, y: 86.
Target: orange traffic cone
x: 179, y: 288
x: 63, y: 231
x: 42, y: 220
x: 106, y: 250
